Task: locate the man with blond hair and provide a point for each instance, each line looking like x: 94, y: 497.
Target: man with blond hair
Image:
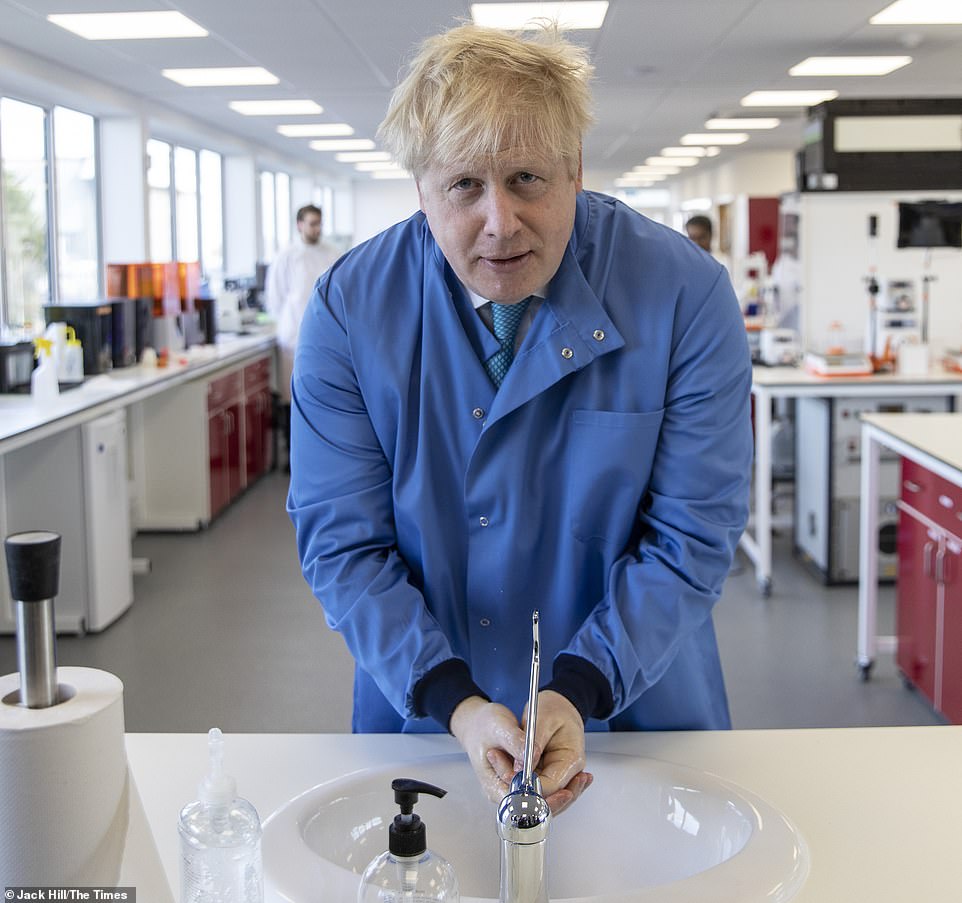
x: 526, y: 396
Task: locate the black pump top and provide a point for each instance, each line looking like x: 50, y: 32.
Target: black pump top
x: 407, y: 835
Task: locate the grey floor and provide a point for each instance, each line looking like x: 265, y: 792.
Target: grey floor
x: 224, y: 632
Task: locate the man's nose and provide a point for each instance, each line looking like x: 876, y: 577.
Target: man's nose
x: 501, y: 213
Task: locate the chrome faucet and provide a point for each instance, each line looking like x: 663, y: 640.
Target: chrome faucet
x: 523, y: 815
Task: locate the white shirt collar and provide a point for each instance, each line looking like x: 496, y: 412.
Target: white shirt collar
x: 479, y: 302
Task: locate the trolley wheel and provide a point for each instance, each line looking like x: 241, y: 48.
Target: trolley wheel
x: 765, y: 587
x: 865, y: 671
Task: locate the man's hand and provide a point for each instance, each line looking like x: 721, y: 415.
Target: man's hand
x: 560, y: 738
x: 493, y: 740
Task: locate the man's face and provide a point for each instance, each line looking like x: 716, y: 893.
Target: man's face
x: 502, y: 225
x: 700, y: 236
x: 310, y: 228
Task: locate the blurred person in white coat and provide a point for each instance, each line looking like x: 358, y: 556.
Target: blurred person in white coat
x: 290, y: 283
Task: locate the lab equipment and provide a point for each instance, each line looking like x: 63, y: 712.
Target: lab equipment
x: 16, y: 365
x: 779, y: 347
x: 43, y: 381
x: 220, y: 839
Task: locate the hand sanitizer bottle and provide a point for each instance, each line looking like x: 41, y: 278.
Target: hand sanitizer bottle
x: 220, y: 840
x: 408, y: 872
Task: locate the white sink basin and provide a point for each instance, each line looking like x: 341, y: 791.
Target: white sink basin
x: 646, y: 830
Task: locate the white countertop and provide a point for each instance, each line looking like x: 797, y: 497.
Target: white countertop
x: 877, y: 806
x: 798, y: 377
x: 23, y: 420
x: 937, y: 435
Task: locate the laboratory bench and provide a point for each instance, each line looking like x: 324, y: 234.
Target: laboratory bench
x: 928, y: 639
x: 774, y: 383
x: 137, y: 448
x: 876, y: 807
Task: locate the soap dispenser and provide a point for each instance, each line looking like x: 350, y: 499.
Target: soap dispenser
x: 408, y: 872
x: 220, y: 839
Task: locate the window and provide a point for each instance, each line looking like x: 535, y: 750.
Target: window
x: 186, y: 220
x: 211, y: 214
x: 25, y: 279
x: 282, y: 194
x: 268, y: 217
x: 75, y: 178
x: 159, y: 210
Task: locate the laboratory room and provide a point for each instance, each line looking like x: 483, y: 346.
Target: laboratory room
x: 485, y: 451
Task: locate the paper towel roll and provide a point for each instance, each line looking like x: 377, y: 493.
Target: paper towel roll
x: 63, y: 783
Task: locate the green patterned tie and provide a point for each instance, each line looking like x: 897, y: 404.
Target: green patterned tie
x: 506, y: 317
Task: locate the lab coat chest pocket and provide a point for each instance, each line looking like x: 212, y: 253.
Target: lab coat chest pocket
x: 610, y: 459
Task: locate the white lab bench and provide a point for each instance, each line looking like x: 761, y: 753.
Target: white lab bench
x: 935, y: 442
x: 65, y: 466
x: 876, y: 806
x: 770, y: 383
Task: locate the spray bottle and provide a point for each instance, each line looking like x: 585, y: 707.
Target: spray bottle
x: 43, y: 381
x: 220, y: 839
x: 408, y: 872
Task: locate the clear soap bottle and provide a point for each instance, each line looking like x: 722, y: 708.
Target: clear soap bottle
x: 220, y: 839
x: 408, y: 872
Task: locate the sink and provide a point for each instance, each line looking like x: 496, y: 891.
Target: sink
x: 646, y: 830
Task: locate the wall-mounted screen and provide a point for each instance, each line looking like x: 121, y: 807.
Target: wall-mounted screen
x: 930, y: 224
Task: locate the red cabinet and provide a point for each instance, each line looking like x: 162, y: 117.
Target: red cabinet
x: 225, y: 400
x: 257, y: 419
x: 929, y: 591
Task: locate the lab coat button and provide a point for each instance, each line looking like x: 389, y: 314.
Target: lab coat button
x: 484, y: 521
x: 485, y: 622
x: 598, y: 335
x: 478, y: 413
x: 567, y: 353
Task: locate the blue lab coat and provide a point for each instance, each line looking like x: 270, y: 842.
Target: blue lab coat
x: 605, y: 483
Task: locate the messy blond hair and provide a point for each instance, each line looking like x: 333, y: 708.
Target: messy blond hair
x: 473, y: 91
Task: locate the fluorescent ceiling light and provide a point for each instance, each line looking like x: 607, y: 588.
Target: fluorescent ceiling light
x: 392, y: 174
x: 316, y: 130
x: 519, y: 16
x: 359, y: 156
x: 920, y: 12
x: 213, y: 77
x: 787, y: 98
x: 655, y: 170
x: 684, y: 151
x: 714, y: 138
x: 129, y: 26
x: 377, y: 166
x: 276, y: 107
x: 849, y: 65
x: 632, y: 183
x: 743, y: 125
x: 693, y: 204
x: 343, y: 144
x: 672, y: 161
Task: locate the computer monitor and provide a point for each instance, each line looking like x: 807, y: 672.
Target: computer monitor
x: 930, y: 224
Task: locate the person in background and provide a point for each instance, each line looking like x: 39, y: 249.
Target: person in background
x: 525, y: 396
x: 290, y: 281
x: 699, y: 230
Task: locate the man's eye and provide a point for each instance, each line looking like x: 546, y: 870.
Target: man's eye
x: 464, y: 184
x: 527, y: 177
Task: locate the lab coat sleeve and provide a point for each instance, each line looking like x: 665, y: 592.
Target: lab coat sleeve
x: 276, y: 288
x: 660, y: 593
x: 341, y: 504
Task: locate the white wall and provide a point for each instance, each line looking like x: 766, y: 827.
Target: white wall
x: 379, y: 203
x: 760, y: 174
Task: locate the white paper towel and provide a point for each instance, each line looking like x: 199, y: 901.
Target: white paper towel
x: 63, y: 783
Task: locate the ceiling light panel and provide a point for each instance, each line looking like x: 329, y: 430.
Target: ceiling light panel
x: 215, y: 77
x: 343, y: 144
x: 129, y: 26
x: 849, y: 65
x: 743, y: 125
x: 672, y: 161
x: 377, y: 166
x: 392, y: 174
x: 705, y: 140
x: 276, y: 107
x: 920, y: 12
x: 519, y: 16
x: 787, y: 98
x: 362, y: 156
x: 316, y: 130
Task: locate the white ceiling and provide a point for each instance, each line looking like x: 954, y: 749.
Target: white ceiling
x: 663, y: 66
